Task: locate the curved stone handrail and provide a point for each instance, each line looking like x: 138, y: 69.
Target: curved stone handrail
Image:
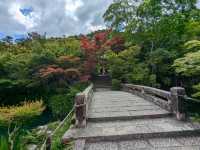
x: 171, y: 101
x: 150, y: 90
x: 82, y: 101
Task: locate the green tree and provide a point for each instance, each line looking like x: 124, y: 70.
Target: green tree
x: 160, y: 28
x: 189, y: 65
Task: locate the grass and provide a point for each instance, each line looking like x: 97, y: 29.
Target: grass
x: 56, y: 139
x: 3, y: 143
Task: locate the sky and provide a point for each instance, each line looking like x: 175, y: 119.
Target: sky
x: 55, y: 17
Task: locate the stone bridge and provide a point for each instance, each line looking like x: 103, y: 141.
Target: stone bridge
x: 136, y: 118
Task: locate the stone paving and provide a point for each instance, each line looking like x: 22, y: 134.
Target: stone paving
x: 189, y: 143
x: 110, y: 130
x: 122, y: 121
x: 110, y: 104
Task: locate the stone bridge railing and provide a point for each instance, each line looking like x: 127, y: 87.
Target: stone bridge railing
x: 171, y: 100
x: 82, y: 101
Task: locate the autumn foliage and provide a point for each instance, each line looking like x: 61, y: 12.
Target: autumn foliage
x: 70, y: 68
x: 50, y: 70
x: 71, y: 59
x: 64, y: 70
x: 53, y: 73
x: 117, y: 44
x: 95, y: 47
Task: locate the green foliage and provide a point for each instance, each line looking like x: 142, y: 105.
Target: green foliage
x: 161, y: 30
x: 119, y: 13
x: 162, y: 49
x: 22, y: 78
x: 189, y: 65
x: 141, y: 75
x: 64, y: 46
x: 37, y: 136
x: 126, y: 67
x: 161, y: 57
x: 56, y: 141
x: 120, y: 64
x: 3, y: 143
x: 193, y: 45
x: 61, y: 104
x: 20, y: 115
x: 197, y: 88
x: 21, y: 62
x: 116, y: 84
x: 192, y: 30
x: 33, y: 137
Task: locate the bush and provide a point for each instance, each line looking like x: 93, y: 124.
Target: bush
x: 197, y: 91
x: 56, y: 142
x: 21, y: 114
x: 116, y: 84
x: 61, y: 104
x: 3, y: 143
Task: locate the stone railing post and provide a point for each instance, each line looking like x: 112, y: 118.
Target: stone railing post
x: 177, y: 103
x: 80, y: 111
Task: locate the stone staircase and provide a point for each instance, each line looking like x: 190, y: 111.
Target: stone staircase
x: 102, y: 82
x: 122, y: 121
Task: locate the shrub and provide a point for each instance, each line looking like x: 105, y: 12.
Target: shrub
x: 21, y: 114
x: 116, y: 84
x: 60, y: 104
x: 197, y: 89
x: 56, y: 142
x: 3, y: 143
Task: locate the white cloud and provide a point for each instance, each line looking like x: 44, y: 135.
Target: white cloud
x: 198, y: 4
x: 92, y: 28
x: 71, y: 7
x: 28, y: 21
x: 55, y: 17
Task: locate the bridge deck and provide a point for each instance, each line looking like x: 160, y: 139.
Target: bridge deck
x: 122, y: 121
x: 109, y: 105
x: 182, y: 143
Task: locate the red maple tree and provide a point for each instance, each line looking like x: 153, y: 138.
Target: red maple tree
x: 95, y: 47
x: 92, y: 49
x: 54, y: 73
x: 116, y: 44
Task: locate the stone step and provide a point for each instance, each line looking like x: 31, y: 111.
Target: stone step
x: 99, y: 87
x: 105, y: 88
x: 178, y: 143
x: 137, y: 115
x: 133, y: 129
